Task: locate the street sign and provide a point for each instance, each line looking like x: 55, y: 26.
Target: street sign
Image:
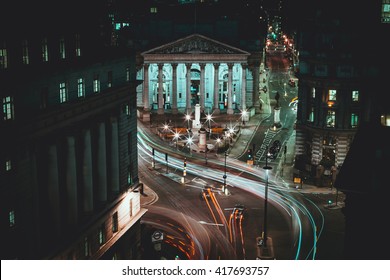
x: 157, y: 236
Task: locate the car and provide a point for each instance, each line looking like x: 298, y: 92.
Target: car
x: 277, y: 145
x: 272, y: 152
x: 291, y: 82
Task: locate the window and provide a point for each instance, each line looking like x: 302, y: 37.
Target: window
x: 25, y: 52
x: 86, y: 247
x: 127, y: 73
x: 78, y: 48
x: 179, y: 95
x: 80, y: 87
x: 115, y: 222
x: 313, y: 92
x: 45, y: 52
x: 44, y: 97
x: 331, y: 118
x: 332, y: 95
x: 63, y: 94
x: 8, y: 165
x: 11, y: 218
x: 129, y: 175
x: 3, y: 58
x: 355, y: 95
x: 311, y: 115
x: 62, y: 48
x: 126, y: 109
x: 8, y: 108
x: 109, y: 79
x: 354, y: 120
x: 96, y: 83
x: 102, y: 235
x: 153, y: 10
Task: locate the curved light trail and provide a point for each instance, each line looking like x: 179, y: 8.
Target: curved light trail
x: 278, y: 194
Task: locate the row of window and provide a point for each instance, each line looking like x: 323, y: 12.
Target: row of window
x: 332, y: 95
x: 44, y: 51
x: 63, y: 95
x: 331, y: 118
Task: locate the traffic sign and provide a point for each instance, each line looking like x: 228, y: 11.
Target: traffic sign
x: 157, y: 236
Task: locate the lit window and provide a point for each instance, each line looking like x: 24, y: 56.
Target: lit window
x: 3, y: 58
x: 332, y: 95
x: 102, y: 237
x: 313, y: 92
x: 96, y: 83
x: 11, y: 218
x: 78, y: 47
x: 153, y: 10
x: 354, y: 120
x: 355, y: 95
x: 45, y: 51
x: 311, y: 115
x: 80, y: 87
x: 331, y: 119
x: 115, y: 222
x: 63, y: 94
x: 109, y: 79
x: 62, y: 48
x: 25, y: 52
x: 8, y: 108
x: 8, y: 165
x: 126, y: 109
x: 127, y: 73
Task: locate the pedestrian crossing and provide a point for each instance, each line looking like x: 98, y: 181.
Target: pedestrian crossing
x: 261, y: 153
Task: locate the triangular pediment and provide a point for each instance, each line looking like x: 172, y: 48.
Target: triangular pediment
x: 196, y: 44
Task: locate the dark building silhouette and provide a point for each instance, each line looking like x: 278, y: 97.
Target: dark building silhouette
x: 68, y: 134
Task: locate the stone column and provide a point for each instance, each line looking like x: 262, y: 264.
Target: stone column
x: 160, y: 89
x: 114, y: 182
x: 174, y: 88
x: 87, y: 174
x: 188, y: 88
x: 216, y: 87
x: 202, y: 97
x: 230, y: 110
x: 146, y: 88
x: 53, y: 190
x: 71, y: 182
x: 243, y: 87
x: 101, y: 165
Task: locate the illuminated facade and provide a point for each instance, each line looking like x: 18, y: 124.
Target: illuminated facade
x: 198, y: 70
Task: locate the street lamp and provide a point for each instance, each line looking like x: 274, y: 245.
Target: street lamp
x: 188, y: 117
x: 176, y: 137
x: 244, y: 115
x: 208, y: 119
x: 224, y: 175
x: 217, y: 141
x: 189, y: 142
x: 266, y: 168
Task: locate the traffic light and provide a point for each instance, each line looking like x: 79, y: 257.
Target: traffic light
x: 250, y: 154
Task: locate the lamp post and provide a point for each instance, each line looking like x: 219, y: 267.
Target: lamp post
x: 188, y: 117
x: 224, y: 175
x: 208, y: 119
x: 176, y: 137
x: 266, y: 168
x: 189, y: 142
x: 217, y: 141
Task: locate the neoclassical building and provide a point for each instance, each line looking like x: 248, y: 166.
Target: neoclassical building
x: 197, y: 70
